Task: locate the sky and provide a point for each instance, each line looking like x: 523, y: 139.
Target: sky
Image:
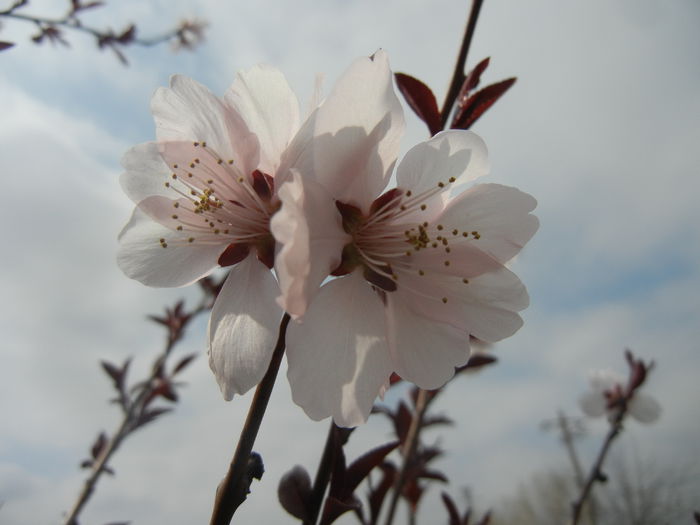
x: 601, y: 127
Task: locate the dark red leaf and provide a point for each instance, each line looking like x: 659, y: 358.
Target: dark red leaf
x: 472, y: 108
x: 402, y: 421
x: 451, y: 509
x: 5, y: 45
x: 437, y: 420
x: 183, y: 363
x: 150, y: 415
x: 334, y: 508
x: 118, y: 375
x: 86, y: 463
x: 99, y: 445
x: 696, y: 515
x: 471, y: 81
x: 127, y: 35
x: 294, y: 492
x: 379, y: 492
x: 361, y: 467
x: 478, y: 360
x: 421, y: 100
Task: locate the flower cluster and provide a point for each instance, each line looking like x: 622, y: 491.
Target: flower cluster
x: 378, y: 280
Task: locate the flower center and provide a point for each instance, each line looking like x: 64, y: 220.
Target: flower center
x: 386, y: 241
x: 216, y: 203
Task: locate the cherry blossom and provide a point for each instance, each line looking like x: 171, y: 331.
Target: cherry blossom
x: 608, y: 390
x: 420, y: 267
x: 205, y: 191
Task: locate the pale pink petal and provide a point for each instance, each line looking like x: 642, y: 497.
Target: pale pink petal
x: 423, y: 351
x: 490, y: 303
x: 602, y: 380
x: 243, y: 327
x: 644, y: 408
x: 593, y: 404
x: 455, y: 155
x: 142, y: 257
x: 338, y: 360
x: 500, y: 215
x: 270, y: 109
x: 356, y: 134
x: 189, y: 111
x: 146, y: 173
x: 309, y: 231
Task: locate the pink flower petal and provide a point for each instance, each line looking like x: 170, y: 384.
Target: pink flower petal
x: 188, y: 111
x: 243, y: 327
x: 309, y: 229
x: 338, y: 359
x: 141, y: 255
x: 356, y: 133
x: 423, y: 351
x: 500, y: 215
x: 644, y: 408
x: 146, y: 173
x: 270, y: 109
x: 455, y: 155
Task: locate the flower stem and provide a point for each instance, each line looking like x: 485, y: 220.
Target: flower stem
x: 234, y: 488
x: 458, y: 76
x: 323, y: 475
x: 409, y: 450
x: 596, y: 473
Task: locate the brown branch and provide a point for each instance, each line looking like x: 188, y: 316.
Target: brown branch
x: 596, y: 473
x: 133, y: 411
x: 408, y: 452
x: 458, y: 75
x: 323, y: 475
x: 234, y: 488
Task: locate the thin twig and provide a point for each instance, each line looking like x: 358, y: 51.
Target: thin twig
x: 596, y: 473
x: 234, y: 488
x: 458, y: 75
x: 408, y: 453
x: 323, y: 475
x: 133, y: 410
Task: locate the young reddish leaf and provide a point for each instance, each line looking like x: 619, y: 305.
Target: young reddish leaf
x: 421, y: 100
x: 294, y: 492
x: 334, y: 508
x: 150, y: 415
x: 5, y: 45
x: 184, y: 362
x: 361, y: 467
x: 473, y: 78
x: 379, y: 492
x: 127, y: 35
x: 478, y: 360
x: 471, y: 109
x: 437, y: 420
x: 451, y: 509
x: 402, y: 421
x: 99, y: 445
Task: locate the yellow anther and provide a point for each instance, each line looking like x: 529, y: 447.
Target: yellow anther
x: 173, y: 176
x: 167, y: 184
x: 447, y: 263
x: 452, y: 179
x: 441, y: 184
x: 421, y: 272
x: 176, y: 204
x: 174, y: 216
x: 230, y: 161
x: 179, y: 228
x: 191, y: 239
x: 444, y: 300
x: 455, y: 232
x: 191, y: 164
x: 423, y: 207
x: 409, y: 193
x: 204, y: 144
x: 196, y: 161
x: 196, y: 144
x: 465, y: 281
x: 440, y: 226
x: 465, y: 234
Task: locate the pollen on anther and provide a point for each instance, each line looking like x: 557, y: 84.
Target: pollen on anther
x: 465, y: 281
x: 447, y: 263
x: 402, y: 207
x: 209, y: 181
x: 173, y: 176
x: 174, y: 166
x: 441, y: 184
x: 421, y: 272
x: 191, y: 164
x: 161, y: 240
x: 196, y: 161
x: 455, y: 232
x: 176, y: 204
x: 164, y: 244
x: 230, y: 161
x: 444, y: 300
x: 174, y: 216
x: 465, y: 234
x: 423, y: 207
x: 220, y: 161
x: 179, y: 228
x: 409, y: 193
x: 167, y: 184
x: 191, y: 239
x: 440, y: 226
x: 452, y: 179
x: 204, y: 144
x: 447, y: 249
